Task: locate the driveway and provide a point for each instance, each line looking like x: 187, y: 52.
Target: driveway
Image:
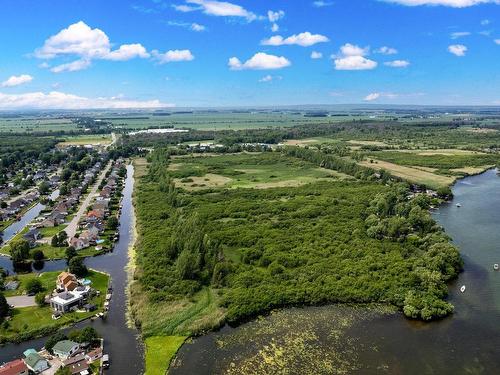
x: 73, y: 224
x: 21, y: 301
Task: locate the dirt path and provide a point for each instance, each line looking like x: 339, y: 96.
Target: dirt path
x: 73, y: 224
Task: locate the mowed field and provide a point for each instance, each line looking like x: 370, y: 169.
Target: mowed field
x: 419, y: 176
x: 35, y: 124
x: 247, y: 170
x: 80, y: 140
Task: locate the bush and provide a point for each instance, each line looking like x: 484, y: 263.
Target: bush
x: 77, y: 267
x: 40, y: 299
x: 34, y: 286
x: 4, y: 307
x: 38, y: 255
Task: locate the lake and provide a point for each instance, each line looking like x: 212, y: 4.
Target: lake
x: 351, y: 339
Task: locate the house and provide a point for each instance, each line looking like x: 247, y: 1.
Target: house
x: 93, y: 355
x: 32, y: 236
x: 16, y: 367
x: 79, y: 243
x: 29, y: 351
x: 101, y: 204
x: 66, y: 281
x: 65, y: 349
x: 36, y: 363
x: 99, y: 214
x: 67, y: 301
x: 79, y: 368
x: 47, y: 223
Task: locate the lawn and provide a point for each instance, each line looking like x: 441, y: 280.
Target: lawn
x: 255, y: 170
x: 160, y: 350
x: 29, y: 321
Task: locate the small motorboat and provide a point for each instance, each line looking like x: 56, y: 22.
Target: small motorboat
x: 462, y: 288
x: 495, y: 267
x: 458, y: 205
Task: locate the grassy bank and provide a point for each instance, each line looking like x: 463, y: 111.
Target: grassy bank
x: 160, y: 350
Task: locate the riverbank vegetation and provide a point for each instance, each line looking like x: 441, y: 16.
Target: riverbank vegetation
x: 160, y: 351
x: 228, y: 254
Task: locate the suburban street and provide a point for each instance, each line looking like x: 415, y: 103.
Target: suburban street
x: 73, y: 225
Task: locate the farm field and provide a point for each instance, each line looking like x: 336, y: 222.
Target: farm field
x: 265, y: 170
x: 35, y: 124
x: 81, y: 140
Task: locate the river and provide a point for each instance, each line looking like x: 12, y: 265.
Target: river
x: 121, y: 343
x: 343, y: 339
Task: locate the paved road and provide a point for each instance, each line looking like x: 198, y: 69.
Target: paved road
x: 73, y: 224
x: 21, y: 301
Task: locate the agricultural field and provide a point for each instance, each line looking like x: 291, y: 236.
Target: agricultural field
x: 35, y: 125
x: 82, y: 140
x: 261, y: 170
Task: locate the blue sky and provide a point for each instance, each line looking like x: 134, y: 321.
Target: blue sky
x: 150, y: 53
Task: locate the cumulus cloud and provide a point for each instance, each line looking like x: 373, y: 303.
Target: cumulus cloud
x: 497, y: 41
x: 390, y: 95
x: 197, y: 27
x: 386, y: 50
x: 316, y: 55
x: 448, y: 3
x: 352, y: 57
x: 127, y: 52
x: 397, y: 63
x: 87, y: 44
x: 216, y: 8
x: 305, y: 39
x: 60, y: 100
x: 275, y: 16
x: 485, y: 22
x: 259, y: 61
x: 459, y: 34
x: 457, y: 49
x: 17, y: 80
x: 173, y: 56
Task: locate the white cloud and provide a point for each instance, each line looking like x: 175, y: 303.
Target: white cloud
x: 173, y: 56
x: 17, y: 80
x: 372, y: 96
x: 448, y: 3
x: 197, y: 27
x: 275, y: 27
x: 88, y: 44
x: 352, y: 57
x: 322, y: 3
x: 60, y: 100
x: 216, y: 8
x: 72, y: 66
x: 497, y: 41
x: 459, y: 34
x: 127, y: 52
x: 191, y: 26
x: 275, y: 16
x: 397, y: 63
x: 259, y: 61
x: 485, y: 22
x: 457, y: 49
x: 267, y: 78
x: 316, y: 55
x: 305, y: 39
x: 386, y: 50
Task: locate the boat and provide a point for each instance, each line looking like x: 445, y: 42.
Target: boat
x: 495, y: 267
x: 458, y: 205
x: 462, y: 288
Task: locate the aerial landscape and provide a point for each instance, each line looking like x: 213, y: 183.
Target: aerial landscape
x: 250, y: 187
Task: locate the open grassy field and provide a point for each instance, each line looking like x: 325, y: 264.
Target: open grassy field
x: 410, y: 174
x: 80, y: 140
x: 261, y: 171
x: 35, y: 124
x: 160, y: 350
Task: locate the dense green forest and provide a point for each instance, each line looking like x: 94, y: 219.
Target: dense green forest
x: 355, y: 241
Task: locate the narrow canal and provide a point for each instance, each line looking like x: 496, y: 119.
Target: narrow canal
x: 121, y: 343
x: 355, y: 340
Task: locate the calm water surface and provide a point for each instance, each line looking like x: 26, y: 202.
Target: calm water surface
x: 122, y: 343
x: 466, y: 343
